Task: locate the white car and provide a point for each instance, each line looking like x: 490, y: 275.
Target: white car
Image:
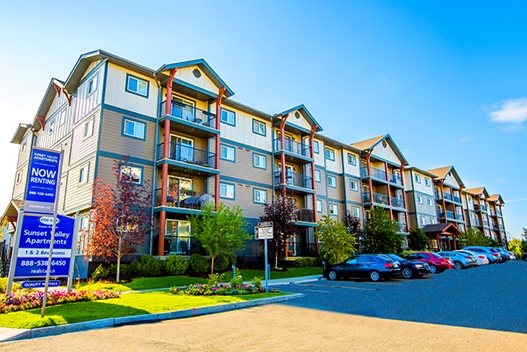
x: 481, y: 259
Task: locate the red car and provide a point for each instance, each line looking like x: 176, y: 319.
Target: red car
x: 437, y: 263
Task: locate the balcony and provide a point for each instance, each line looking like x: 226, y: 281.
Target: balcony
x: 376, y: 173
x: 402, y: 227
x: 184, y: 200
x: 498, y: 212
x: 395, y: 178
x: 190, y: 119
x: 183, y: 155
x: 294, y: 181
x: 295, y: 152
x: 456, y: 199
x: 305, y: 215
x: 398, y: 202
x: 380, y: 198
x: 447, y: 196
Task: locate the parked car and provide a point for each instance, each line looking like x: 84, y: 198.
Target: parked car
x: 481, y: 259
x: 524, y: 256
x: 460, y: 260
x: 437, y: 263
x: 372, y: 266
x: 409, y: 269
x: 505, y: 254
x: 493, y: 256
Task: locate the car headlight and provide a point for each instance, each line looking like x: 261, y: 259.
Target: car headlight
x: 419, y: 266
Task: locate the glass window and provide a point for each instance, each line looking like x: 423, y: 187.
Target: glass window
x: 19, y: 177
x: 417, y: 178
x: 427, y: 181
x: 319, y: 206
x: 356, y: 212
x: 352, y: 159
x: 330, y: 154
x: 92, y: 85
x: 51, y: 127
x: 354, y: 186
x: 420, y: 199
x: 227, y: 190
x: 177, y: 234
x: 332, y: 181
x: 430, y: 203
x: 259, y: 127
x: 24, y: 148
x: 227, y: 152
x: 333, y: 209
x: 260, y: 161
x: 88, y: 128
x: 260, y: 196
x: 432, y: 221
x: 131, y: 174
x: 423, y: 220
x: 317, y: 175
x: 62, y: 117
x: 134, y: 129
x: 228, y: 117
x: 316, y: 147
x: 83, y: 174
x: 137, y: 86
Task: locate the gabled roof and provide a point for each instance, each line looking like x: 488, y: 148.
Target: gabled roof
x: 304, y: 112
x: 421, y: 171
x: 496, y: 198
x: 441, y: 228
x: 204, y: 67
x: 371, y: 143
x: 479, y: 191
x: 442, y: 172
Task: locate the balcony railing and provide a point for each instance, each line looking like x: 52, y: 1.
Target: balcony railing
x: 498, y: 212
x: 190, y: 113
x: 447, y: 196
x: 395, y: 178
x: 380, y: 198
x: 306, y: 215
x: 459, y: 216
x: 293, y: 179
x: 185, y: 153
x: 402, y: 227
x: 450, y: 214
x: 483, y: 207
x: 398, y: 202
x: 186, y: 200
x: 456, y: 199
x: 293, y: 147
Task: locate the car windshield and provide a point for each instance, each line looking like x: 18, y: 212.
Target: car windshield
x: 436, y: 256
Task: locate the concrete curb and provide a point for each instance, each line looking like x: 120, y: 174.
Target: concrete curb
x: 21, y: 334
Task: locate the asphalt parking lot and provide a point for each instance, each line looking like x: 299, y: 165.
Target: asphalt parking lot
x: 486, y: 297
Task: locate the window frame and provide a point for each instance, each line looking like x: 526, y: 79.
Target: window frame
x: 333, y: 206
x: 354, y: 182
x: 330, y: 154
x: 139, y: 80
x: 352, y: 159
x: 420, y: 199
x: 84, y: 174
x: 227, y: 112
x: 226, y: 196
x: 262, y: 157
x: 141, y: 171
x: 18, y: 177
x: 136, y: 123
x: 430, y: 201
x: 259, y: 191
x: 417, y: 178
x: 93, y: 84
x: 88, y: 129
x: 331, y: 177
x: 316, y: 147
x: 319, y: 209
x: 62, y: 117
x: 428, y: 181
x: 318, y: 176
x: 260, y: 124
x: 227, y: 147
x: 356, y: 212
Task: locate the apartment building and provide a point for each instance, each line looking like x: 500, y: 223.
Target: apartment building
x: 484, y: 212
x: 420, y: 194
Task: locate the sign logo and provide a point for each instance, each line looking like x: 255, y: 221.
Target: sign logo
x: 48, y: 220
x: 43, y: 180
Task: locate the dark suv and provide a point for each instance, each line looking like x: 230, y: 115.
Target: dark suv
x: 372, y: 266
x: 409, y: 269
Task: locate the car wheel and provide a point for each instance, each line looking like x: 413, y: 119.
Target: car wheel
x: 458, y: 265
x: 407, y: 273
x: 333, y: 275
x: 375, y: 276
x: 433, y: 269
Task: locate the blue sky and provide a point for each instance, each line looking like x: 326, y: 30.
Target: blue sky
x: 446, y: 80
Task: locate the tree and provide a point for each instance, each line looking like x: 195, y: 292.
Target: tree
x: 381, y: 233
x: 221, y: 231
x: 473, y: 237
x: 352, y: 223
x: 283, y: 216
x: 337, y: 242
x: 417, y: 239
x: 516, y: 246
x: 120, y: 216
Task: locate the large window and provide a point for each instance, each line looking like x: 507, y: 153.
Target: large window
x: 131, y: 174
x: 330, y: 154
x: 228, y: 117
x: 177, y: 237
x: 259, y: 127
x: 319, y: 206
x: 260, y: 161
x: 134, y: 129
x: 316, y: 147
x: 317, y: 175
x: 227, y: 152
x: 332, y: 181
x: 136, y: 85
x: 227, y: 190
x: 260, y: 196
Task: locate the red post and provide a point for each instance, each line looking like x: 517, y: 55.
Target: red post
x: 218, y: 126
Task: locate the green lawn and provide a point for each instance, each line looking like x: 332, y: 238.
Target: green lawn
x: 129, y: 304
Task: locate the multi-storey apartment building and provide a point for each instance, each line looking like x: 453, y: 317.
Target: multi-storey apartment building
x: 420, y: 194
x: 497, y: 226
x: 484, y: 212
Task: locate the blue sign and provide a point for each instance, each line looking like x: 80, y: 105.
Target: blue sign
x: 43, y: 180
x: 38, y: 284
x: 35, y: 240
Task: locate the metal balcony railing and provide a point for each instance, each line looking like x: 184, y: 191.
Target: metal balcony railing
x: 293, y: 179
x: 459, y: 216
x: 185, y: 199
x: 402, y: 227
x: 447, y: 196
x: 380, y: 198
x: 450, y: 214
x: 186, y: 153
x: 190, y: 113
x: 456, y: 199
x: 304, y: 214
x: 395, y: 178
x: 398, y: 202
x: 293, y: 147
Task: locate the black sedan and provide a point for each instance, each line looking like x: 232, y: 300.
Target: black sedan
x: 372, y: 266
x: 409, y: 269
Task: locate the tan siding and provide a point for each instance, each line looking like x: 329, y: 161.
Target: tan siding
x: 87, y: 102
x: 185, y: 74
x: 79, y: 194
x: 83, y: 146
x: 386, y: 153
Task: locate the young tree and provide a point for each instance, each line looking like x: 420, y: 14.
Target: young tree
x: 120, y: 217
x: 417, y: 239
x: 220, y: 231
x: 352, y: 223
x: 283, y: 216
x: 337, y: 242
x: 473, y: 237
x: 515, y: 246
x: 381, y: 233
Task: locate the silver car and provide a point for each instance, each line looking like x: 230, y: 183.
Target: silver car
x: 481, y: 259
x: 460, y: 260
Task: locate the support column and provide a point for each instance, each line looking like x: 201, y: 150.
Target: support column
x: 221, y: 92
x: 313, y: 183
x: 404, y: 197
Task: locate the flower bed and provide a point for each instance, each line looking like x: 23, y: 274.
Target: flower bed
x: 215, y: 287
x: 29, y: 299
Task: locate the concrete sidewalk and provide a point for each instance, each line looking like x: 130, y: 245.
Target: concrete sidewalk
x: 7, y: 334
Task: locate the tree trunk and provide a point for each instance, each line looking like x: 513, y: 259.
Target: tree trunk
x: 118, y: 261
x: 212, y: 265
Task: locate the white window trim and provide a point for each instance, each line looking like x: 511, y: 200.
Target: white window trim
x: 330, y: 154
x: 227, y: 148
x: 260, y: 157
x: 88, y: 129
x: 353, y: 182
x: 317, y: 175
x: 226, y: 195
x: 319, y: 206
x: 330, y: 177
x: 420, y: 199
x: 135, y: 124
x: 84, y: 174
x: 139, y: 80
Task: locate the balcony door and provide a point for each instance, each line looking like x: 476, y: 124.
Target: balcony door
x: 288, y: 141
x: 176, y: 189
x: 183, y: 148
x: 289, y: 172
x: 183, y: 108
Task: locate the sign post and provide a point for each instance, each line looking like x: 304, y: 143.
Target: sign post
x: 265, y: 232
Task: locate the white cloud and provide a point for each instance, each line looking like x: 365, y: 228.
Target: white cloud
x: 510, y: 111
x: 515, y: 200
x: 501, y: 180
x: 465, y: 139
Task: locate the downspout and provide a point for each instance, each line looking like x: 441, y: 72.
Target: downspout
x: 312, y: 155
x: 368, y: 165
x: 164, y: 174
x: 282, y: 176
x: 221, y: 92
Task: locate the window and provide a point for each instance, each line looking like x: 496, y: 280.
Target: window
x: 51, y: 127
x: 352, y: 159
x: 354, y: 186
x: 24, y: 148
x: 260, y: 196
x: 177, y: 236
x: 259, y: 127
x: 62, y: 117
x: 83, y: 174
x: 316, y: 147
x: 319, y: 206
x: 422, y: 220
x: 260, y: 161
x: 131, y: 174
x: 227, y: 190
x: 88, y: 128
x: 355, y: 212
x: 317, y: 175
x: 136, y: 85
x: 227, y: 153
x: 333, y: 209
x: 330, y: 154
x: 332, y: 181
x: 420, y: 199
x: 417, y: 178
x: 228, y: 117
x: 134, y: 129
x: 19, y: 177
x: 430, y: 203
x: 432, y: 221
x: 83, y: 227
x: 427, y: 181
x: 92, y: 85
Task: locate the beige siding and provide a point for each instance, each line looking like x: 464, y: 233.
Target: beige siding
x: 86, y: 102
x: 301, y: 122
x: 450, y: 180
x: 116, y: 94
x: 351, y: 169
x: 336, y: 165
x: 79, y: 194
x: 320, y: 157
x: 243, y: 131
x: 185, y: 74
x: 243, y: 168
x: 386, y: 153
x: 105, y: 172
x: 82, y: 146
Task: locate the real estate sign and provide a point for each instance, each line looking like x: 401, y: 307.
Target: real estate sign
x: 33, y: 249
x: 43, y: 180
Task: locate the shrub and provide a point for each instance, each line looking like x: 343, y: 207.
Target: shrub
x: 135, y: 269
x: 237, y: 281
x: 257, y: 283
x: 101, y: 273
x: 176, y: 265
x: 301, y: 263
x: 199, y: 264
x: 3, y: 285
x: 150, y: 267
x: 224, y: 261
